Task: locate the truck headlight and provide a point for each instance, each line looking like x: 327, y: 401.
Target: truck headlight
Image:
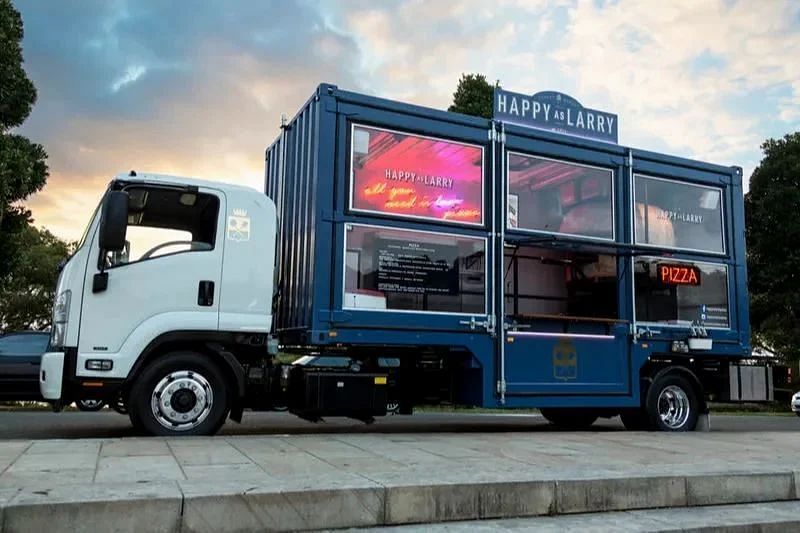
x: 60, y: 318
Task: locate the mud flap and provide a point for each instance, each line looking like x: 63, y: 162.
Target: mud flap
x: 703, y: 422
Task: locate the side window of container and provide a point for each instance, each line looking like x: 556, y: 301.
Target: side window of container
x: 402, y: 270
x: 678, y: 215
x: 412, y: 176
x: 164, y: 222
x: 560, y: 197
x: 542, y: 282
x: 681, y: 292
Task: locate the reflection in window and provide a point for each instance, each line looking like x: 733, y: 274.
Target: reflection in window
x: 675, y: 301
x: 414, y: 271
x: 678, y: 215
x: 547, y: 282
x: 559, y: 197
x: 168, y: 221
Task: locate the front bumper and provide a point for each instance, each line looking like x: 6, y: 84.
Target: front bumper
x: 51, y: 375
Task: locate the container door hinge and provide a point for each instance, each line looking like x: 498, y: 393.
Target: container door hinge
x: 501, y: 386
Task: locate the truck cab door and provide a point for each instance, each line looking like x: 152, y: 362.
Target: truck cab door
x: 166, y: 279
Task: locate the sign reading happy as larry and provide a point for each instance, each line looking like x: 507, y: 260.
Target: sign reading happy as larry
x: 554, y: 111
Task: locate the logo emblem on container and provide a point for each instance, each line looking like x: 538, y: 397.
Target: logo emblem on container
x: 238, y: 226
x: 565, y: 360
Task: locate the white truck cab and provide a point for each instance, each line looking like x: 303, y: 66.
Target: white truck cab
x: 170, y: 274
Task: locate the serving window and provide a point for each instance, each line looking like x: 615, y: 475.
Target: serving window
x: 558, y: 197
x: 681, y: 292
x: 678, y: 215
x: 412, y: 176
x: 548, y: 283
x: 403, y: 270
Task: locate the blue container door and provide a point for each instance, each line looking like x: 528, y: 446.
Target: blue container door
x: 549, y: 363
x: 564, y: 279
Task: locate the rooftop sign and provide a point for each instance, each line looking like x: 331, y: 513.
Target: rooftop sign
x: 553, y: 111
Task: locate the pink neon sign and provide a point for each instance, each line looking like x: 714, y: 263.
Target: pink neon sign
x: 408, y: 175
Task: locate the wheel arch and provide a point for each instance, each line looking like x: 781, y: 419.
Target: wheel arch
x: 657, y: 369
x: 209, y: 344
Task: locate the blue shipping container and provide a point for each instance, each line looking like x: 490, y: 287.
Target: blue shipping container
x: 553, y: 271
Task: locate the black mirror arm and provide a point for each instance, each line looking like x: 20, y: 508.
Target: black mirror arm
x: 100, y: 279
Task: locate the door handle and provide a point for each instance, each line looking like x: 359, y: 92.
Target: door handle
x: 205, y: 293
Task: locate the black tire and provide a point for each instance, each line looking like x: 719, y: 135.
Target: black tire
x: 636, y: 420
x: 572, y: 419
x: 672, y: 393
x: 183, y: 370
x: 90, y: 406
x: 119, y: 406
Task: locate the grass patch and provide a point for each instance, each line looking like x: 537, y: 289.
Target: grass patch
x: 751, y: 408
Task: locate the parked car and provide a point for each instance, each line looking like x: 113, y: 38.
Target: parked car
x: 796, y: 403
x: 20, y: 355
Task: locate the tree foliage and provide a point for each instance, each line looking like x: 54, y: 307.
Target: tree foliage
x: 773, y: 231
x: 26, y: 291
x: 474, y: 96
x: 29, y: 257
x: 17, y: 93
x: 23, y: 167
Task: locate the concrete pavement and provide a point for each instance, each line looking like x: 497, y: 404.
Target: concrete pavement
x: 322, y: 481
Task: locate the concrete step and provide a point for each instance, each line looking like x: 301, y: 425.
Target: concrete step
x: 341, y: 502
x: 778, y: 517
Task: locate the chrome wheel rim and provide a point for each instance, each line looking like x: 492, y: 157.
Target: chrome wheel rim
x: 182, y: 400
x: 673, y: 407
x: 91, y: 404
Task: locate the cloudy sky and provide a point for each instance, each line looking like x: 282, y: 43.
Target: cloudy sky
x: 197, y: 88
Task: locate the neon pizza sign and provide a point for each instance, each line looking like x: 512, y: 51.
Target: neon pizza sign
x: 677, y: 274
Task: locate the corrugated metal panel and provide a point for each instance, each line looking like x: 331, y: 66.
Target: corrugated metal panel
x: 291, y: 181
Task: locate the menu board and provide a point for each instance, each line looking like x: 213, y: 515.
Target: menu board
x: 416, y: 268
x: 412, y: 176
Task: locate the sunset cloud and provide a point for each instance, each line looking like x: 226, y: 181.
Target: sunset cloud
x: 198, y: 89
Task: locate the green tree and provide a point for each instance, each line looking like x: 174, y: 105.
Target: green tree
x: 23, y: 167
x: 772, y: 231
x: 474, y: 96
x: 27, y: 292
x: 29, y: 257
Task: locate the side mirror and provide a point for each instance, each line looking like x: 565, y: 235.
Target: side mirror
x: 114, y: 221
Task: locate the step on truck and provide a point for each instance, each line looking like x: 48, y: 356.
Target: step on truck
x: 403, y: 256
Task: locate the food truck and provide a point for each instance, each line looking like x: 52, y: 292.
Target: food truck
x: 412, y: 256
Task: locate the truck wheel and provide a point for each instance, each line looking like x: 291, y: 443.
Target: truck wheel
x: 635, y: 420
x: 90, y: 405
x: 672, y: 403
x: 569, y: 418
x: 181, y: 393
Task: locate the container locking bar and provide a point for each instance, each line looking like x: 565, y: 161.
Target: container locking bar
x: 473, y: 324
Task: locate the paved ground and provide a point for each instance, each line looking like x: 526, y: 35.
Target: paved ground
x: 106, y: 424
x: 347, y: 479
